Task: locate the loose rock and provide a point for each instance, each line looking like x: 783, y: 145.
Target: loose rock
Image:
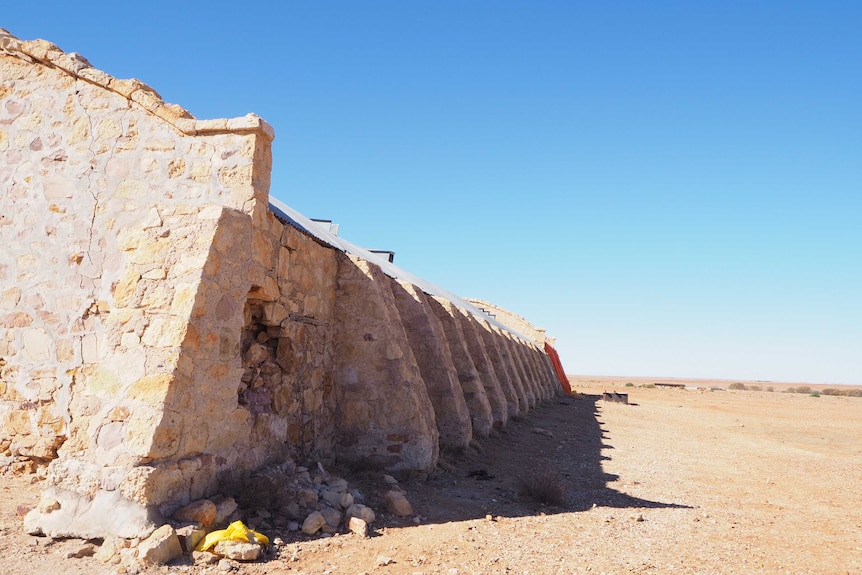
x: 238, y: 550
x: 362, y: 512
x: 85, y: 550
x: 160, y: 547
x: 313, y: 523
x: 398, y: 504
x: 332, y: 516
x: 358, y: 526
x: 383, y: 560
x: 202, y: 512
x: 224, y: 509
x: 204, y: 558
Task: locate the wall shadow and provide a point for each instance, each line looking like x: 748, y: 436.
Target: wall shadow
x: 562, y: 438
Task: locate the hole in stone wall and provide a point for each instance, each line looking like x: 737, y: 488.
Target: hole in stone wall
x: 261, y: 375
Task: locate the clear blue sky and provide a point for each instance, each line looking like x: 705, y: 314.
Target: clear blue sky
x: 672, y: 188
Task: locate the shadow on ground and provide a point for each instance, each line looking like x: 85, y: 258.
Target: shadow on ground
x: 561, y: 439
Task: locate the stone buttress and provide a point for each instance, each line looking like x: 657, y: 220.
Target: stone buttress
x: 161, y: 328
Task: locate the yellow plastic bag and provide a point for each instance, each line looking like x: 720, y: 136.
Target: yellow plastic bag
x: 236, y: 531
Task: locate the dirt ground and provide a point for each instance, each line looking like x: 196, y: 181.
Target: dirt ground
x: 677, y: 481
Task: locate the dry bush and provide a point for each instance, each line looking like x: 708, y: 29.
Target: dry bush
x: 544, y: 486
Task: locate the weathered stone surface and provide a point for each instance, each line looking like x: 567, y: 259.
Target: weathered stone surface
x: 106, y: 513
x: 109, y: 550
x: 204, y: 558
x: 224, y: 509
x: 498, y: 364
x: 160, y: 547
x: 308, y: 498
x: 385, y: 413
x: 472, y: 389
x: 203, y: 512
x: 338, y: 499
x: 358, y: 526
x: 430, y: 348
x: 337, y: 484
x: 398, y: 504
x: 362, y: 512
x: 484, y: 369
x: 82, y: 550
x: 238, y: 550
x: 331, y: 516
x: 508, y: 360
x: 313, y: 523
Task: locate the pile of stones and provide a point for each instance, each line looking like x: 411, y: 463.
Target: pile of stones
x: 297, y: 503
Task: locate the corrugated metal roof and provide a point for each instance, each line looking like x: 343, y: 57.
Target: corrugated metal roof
x: 312, y: 228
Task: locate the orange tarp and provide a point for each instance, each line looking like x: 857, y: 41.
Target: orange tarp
x: 558, y: 368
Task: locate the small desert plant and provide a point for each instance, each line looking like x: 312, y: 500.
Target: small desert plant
x: 770, y: 388
x: 544, y: 486
x: 649, y: 386
x: 803, y: 389
x: 630, y: 384
x: 755, y: 388
x: 815, y: 394
x: 737, y: 385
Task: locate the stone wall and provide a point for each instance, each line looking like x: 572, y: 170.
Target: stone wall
x: 161, y: 327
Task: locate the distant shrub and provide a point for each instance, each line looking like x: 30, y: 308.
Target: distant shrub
x: 544, y: 486
x: 770, y: 388
x: 630, y: 384
x: 803, y: 389
x: 842, y: 392
x: 649, y: 386
x: 790, y: 390
x: 737, y: 385
x: 755, y: 388
x: 815, y: 394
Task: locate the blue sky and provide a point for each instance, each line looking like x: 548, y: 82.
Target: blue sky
x: 670, y: 188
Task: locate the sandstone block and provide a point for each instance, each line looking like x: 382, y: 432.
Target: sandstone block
x: 105, y: 513
x: 362, y: 512
x: 238, y: 550
x: 346, y: 500
x: 398, y: 504
x: 332, y: 497
x: 160, y: 547
x: 331, y: 516
x: 224, y: 509
x: 358, y: 526
x: 308, y: 498
x: 313, y: 523
x: 202, y: 512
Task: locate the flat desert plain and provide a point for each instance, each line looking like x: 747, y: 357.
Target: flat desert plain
x: 677, y: 481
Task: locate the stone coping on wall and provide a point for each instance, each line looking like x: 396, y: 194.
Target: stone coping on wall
x: 134, y: 90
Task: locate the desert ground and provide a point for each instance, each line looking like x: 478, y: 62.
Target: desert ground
x: 677, y: 481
